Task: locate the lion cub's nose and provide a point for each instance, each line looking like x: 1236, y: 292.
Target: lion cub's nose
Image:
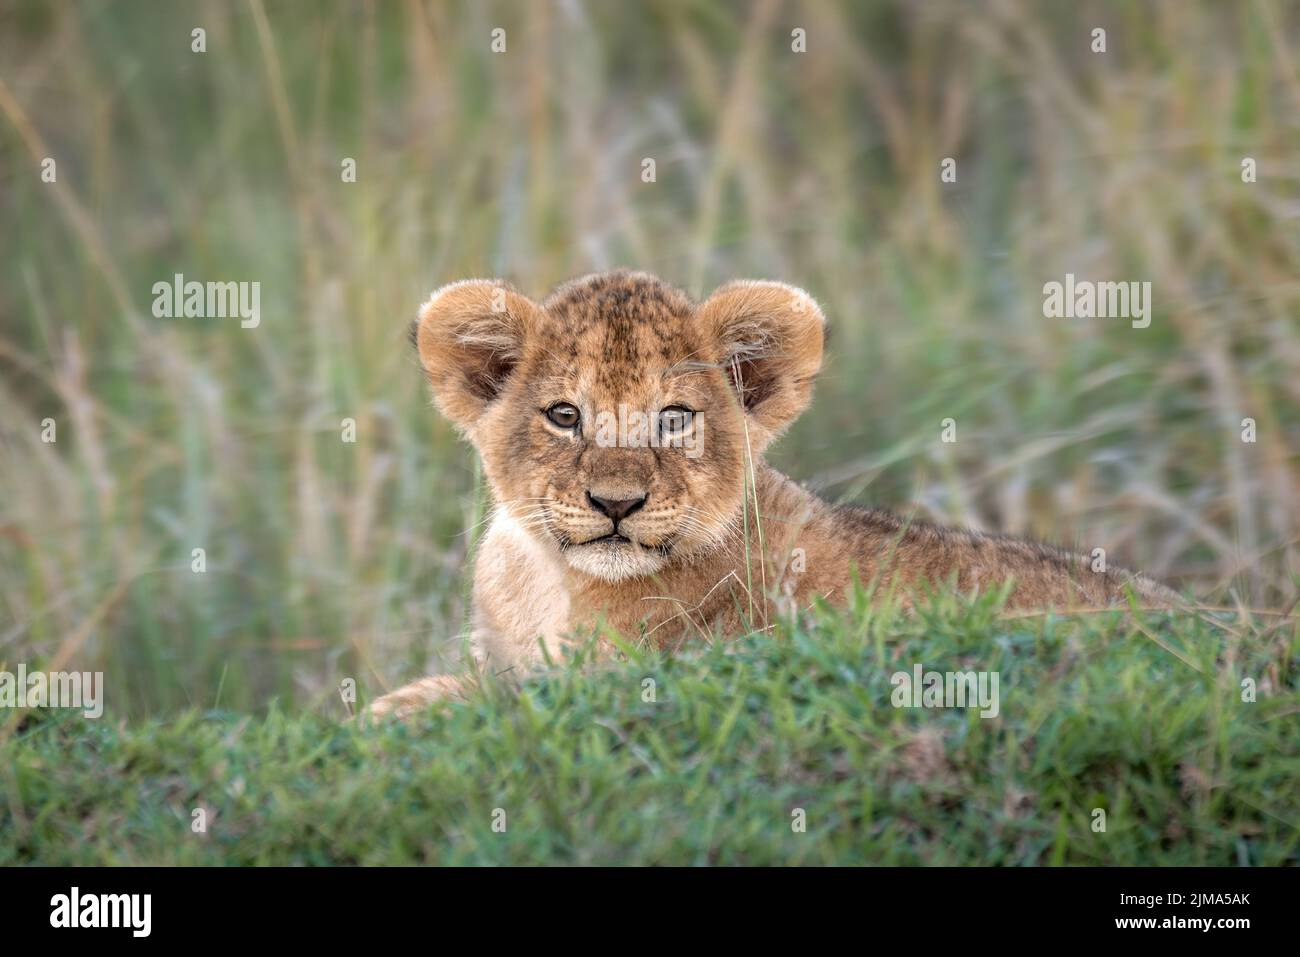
x: 616, y: 508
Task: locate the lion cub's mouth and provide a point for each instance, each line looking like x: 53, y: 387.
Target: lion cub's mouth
x: 619, y: 540
x: 615, y: 556
x: 613, y: 538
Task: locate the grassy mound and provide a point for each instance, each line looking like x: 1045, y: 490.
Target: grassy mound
x: 719, y: 755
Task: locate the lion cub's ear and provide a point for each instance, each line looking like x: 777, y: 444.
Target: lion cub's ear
x: 771, y: 338
x: 470, y: 336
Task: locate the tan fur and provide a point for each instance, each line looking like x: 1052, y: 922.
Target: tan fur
x: 722, y: 541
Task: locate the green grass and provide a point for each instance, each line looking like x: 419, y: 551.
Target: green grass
x: 1141, y: 718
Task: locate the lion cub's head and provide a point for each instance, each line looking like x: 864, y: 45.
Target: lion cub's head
x: 613, y: 418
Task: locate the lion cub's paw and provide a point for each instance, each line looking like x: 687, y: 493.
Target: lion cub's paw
x: 415, y: 698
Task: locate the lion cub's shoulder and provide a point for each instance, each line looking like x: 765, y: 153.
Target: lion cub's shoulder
x: 520, y: 597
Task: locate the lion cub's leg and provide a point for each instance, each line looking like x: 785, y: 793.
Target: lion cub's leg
x: 416, y: 697
x: 520, y: 605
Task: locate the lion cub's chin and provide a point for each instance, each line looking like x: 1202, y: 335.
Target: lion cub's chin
x: 613, y: 562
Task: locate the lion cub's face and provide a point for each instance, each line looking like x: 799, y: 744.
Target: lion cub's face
x: 616, y: 418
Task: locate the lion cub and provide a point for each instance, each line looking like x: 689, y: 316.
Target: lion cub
x: 622, y: 428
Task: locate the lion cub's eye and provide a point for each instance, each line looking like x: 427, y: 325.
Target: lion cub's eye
x: 564, y: 415
x: 674, y: 420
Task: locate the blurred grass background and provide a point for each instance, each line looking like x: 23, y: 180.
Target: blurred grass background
x: 327, y: 560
